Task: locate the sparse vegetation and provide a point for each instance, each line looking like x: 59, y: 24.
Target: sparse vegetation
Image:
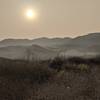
x: 58, y: 79
x: 83, y: 67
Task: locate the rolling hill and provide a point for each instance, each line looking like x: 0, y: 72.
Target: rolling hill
x: 27, y: 52
x: 46, y: 48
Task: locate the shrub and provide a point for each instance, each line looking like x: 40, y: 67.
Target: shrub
x: 83, y: 67
x: 57, y: 63
x: 76, y: 60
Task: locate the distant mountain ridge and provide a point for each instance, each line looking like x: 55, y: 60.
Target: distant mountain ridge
x: 46, y: 48
x: 91, y: 38
x: 38, y: 41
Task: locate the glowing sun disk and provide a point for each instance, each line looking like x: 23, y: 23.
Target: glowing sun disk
x: 30, y: 14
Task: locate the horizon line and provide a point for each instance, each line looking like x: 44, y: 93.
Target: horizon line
x: 59, y: 37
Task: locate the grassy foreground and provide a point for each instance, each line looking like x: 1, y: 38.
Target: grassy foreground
x: 59, y: 79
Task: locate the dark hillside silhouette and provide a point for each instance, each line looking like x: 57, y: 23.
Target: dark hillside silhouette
x: 58, y: 79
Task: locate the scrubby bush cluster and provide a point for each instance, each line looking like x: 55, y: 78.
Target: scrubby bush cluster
x: 58, y: 79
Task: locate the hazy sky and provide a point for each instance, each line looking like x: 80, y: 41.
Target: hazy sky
x: 56, y: 18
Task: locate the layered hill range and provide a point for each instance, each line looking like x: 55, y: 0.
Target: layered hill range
x: 48, y: 48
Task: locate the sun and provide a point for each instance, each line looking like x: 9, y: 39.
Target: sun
x: 30, y: 14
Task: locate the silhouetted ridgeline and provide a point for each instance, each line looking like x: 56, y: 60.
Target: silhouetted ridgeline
x: 73, y: 78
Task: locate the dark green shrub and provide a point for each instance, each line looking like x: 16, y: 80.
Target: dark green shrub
x: 57, y: 63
